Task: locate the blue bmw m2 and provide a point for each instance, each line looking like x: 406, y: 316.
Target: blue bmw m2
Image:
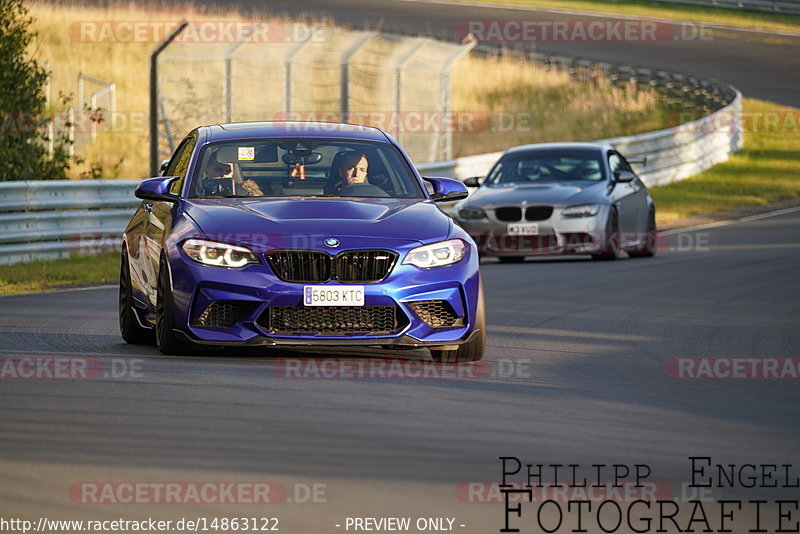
x: 299, y: 234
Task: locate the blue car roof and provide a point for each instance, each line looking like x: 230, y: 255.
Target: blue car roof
x: 253, y: 130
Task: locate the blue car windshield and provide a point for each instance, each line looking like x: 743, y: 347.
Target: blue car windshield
x: 546, y: 166
x: 304, y: 167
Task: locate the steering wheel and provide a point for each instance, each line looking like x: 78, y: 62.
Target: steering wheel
x: 218, y: 187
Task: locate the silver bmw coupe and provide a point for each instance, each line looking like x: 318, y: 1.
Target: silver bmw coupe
x: 554, y: 198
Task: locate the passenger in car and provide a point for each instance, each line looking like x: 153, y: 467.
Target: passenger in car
x: 225, y: 179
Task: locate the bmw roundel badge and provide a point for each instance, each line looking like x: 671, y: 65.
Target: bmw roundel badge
x: 331, y: 242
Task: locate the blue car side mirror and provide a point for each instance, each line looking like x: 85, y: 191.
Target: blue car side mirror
x: 157, y: 189
x: 447, y: 189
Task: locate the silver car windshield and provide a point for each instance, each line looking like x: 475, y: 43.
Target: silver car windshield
x: 546, y: 166
x: 304, y: 167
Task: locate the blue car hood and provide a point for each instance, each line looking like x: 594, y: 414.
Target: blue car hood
x: 381, y: 221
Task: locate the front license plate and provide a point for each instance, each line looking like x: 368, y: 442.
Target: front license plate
x: 523, y: 229
x: 333, y: 295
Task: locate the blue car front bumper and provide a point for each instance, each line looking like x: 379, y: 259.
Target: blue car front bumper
x: 416, y: 307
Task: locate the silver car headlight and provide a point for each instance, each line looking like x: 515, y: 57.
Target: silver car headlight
x: 471, y: 213
x: 218, y: 254
x: 581, y: 210
x: 436, y: 254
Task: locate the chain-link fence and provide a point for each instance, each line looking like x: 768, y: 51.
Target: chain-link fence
x: 399, y: 84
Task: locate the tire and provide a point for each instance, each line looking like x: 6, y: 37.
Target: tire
x: 130, y: 329
x: 511, y: 259
x: 611, y: 241
x: 166, y: 340
x: 473, y: 350
x: 648, y: 248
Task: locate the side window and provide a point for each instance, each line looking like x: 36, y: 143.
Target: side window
x: 617, y: 163
x: 613, y: 163
x: 179, y: 163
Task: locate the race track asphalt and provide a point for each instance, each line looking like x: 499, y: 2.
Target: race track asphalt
x: 577, y: 371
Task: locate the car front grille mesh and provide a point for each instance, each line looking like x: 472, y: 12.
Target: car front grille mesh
x: 219, y: 314
x: 330, y: 320
x: 436, y: 313
x: 351, y: 266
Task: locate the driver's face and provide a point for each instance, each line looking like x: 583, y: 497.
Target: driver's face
x: 216, y: 169
x: 354, y: 174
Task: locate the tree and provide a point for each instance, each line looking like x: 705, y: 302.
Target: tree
x: 23, y: 137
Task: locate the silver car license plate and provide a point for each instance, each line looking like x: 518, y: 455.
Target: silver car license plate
x: 523, y: 229
x: 333, y: 296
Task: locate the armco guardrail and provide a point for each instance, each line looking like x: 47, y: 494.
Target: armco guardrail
x: 783, y: 7
x: 672, y: 154
x: 49, y: 220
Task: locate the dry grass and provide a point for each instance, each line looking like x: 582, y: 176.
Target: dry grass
x: 526, y: 103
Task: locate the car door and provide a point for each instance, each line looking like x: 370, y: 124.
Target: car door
x: 626, y: 197
x: 638, y: 201
x: 135, y: 234
x: 159, y: 214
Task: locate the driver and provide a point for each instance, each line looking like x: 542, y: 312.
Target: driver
x: 531, y: 170
x: 347, y: 168
x: 353, y: 169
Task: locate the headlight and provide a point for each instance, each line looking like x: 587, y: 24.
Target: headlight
x: 219, y: 254
x: 581, y: 210
x: 471, y: 213
x: 437, y: 254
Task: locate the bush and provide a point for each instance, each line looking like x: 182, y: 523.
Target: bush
x: 23, y: 114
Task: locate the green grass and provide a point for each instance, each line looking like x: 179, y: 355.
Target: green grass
x: 54, y: 274
x: 726, y: 17
x: 766, y: 170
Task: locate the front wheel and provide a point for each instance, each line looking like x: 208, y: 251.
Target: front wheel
x: 647, y: 249
x: 473, y: 350
x: 167, y: 341
x: 611, y: 239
